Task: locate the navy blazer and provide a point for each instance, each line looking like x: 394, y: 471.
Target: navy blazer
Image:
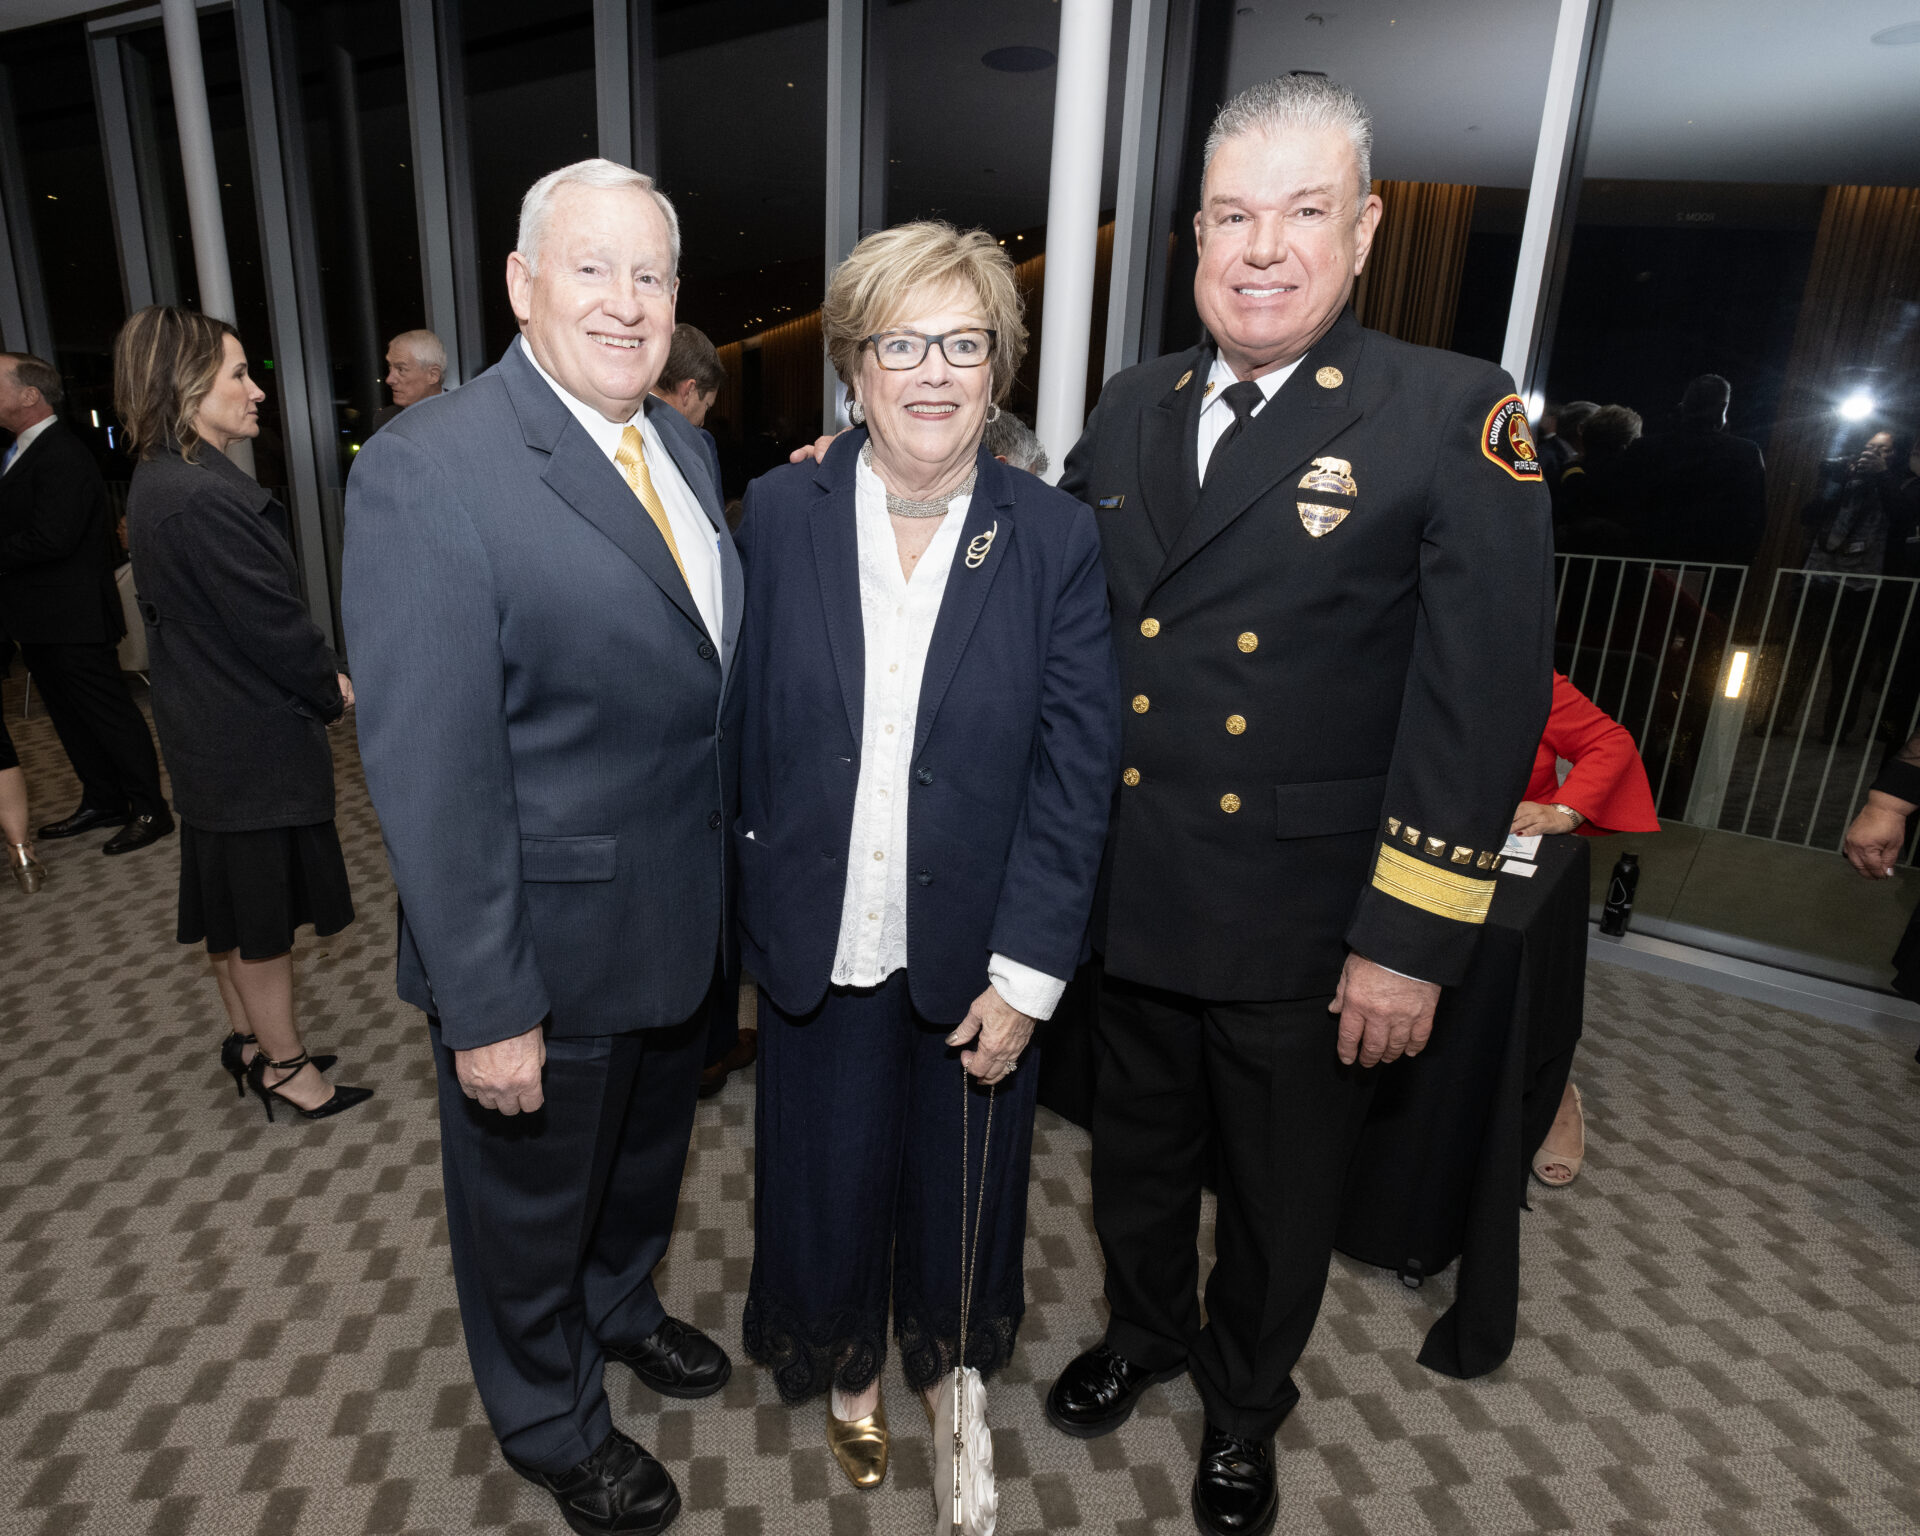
x: 1015, y: 749
x: 544, y: 719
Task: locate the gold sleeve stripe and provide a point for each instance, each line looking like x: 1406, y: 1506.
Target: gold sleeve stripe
x: 1439, y: 891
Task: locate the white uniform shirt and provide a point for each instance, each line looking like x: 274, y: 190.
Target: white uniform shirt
x: 1216, y: 415
x: 693, y: 530
x: 25, y: 441
x: 898, y: 617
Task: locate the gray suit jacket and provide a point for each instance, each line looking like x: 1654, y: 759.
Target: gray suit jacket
x: 547, y: 727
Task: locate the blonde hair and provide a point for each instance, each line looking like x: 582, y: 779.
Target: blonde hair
x: 869, y: 290
x: 165, y: 359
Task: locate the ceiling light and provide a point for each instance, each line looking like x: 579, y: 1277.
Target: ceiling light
x: 1856, y: 407
x: 1018, y: 60
x: 1896, y: 37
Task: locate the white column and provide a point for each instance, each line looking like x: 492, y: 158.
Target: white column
x: 1073, y: 223
x: 181, y: 21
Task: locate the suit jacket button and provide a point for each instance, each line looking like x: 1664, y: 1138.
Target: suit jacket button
x: 925, y: 877
x: 1139, y: 703
x: 1249, y: 642
x: 923, y: 776
x: 1236, y: 724
x: 1229, y: 803
x: 1149, y: 627
x: 1130, y: 778
x: 706, y: 650
x: 713, y: 820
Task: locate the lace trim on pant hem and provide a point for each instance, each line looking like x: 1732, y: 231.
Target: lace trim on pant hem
x: 845, y: 1349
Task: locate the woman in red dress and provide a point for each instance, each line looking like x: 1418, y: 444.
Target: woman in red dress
x: 1605, y: 790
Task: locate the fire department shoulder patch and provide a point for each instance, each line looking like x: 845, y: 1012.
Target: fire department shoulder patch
x: 1508, y: 440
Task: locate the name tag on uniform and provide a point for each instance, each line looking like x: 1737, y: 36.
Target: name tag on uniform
x: 1111, y: 503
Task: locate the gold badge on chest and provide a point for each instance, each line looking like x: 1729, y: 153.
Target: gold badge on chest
x: 1330, y: 477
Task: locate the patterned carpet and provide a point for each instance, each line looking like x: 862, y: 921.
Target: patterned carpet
x: 212, y: 1325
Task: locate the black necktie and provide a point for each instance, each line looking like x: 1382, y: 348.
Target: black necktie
x: 1241, y: 399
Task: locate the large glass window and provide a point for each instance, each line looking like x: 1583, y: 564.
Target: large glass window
x: 739, y: 111
x: 72, y: 224
x: 1740, y: 537
x: 163, y: 197
x: 530, y: 109
x: 353, y: 98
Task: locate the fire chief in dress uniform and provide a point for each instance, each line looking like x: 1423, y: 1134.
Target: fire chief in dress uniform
x: 1328, y: 558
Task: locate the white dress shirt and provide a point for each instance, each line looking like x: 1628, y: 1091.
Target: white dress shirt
x: 1216, y: 415
x: 25, y: 441
x: 897, y: 616
x: 693, y: 530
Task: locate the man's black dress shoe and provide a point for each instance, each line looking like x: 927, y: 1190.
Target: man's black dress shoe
x: 676, y: 1360
x: 138, y: 833
x: 617, y: 1491
x: 83, y: 820
x: 1233, y: 1493
x: 1096, y: 1394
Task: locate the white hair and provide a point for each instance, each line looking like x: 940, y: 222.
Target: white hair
x: 1297, y: 101
x: 425, y: 348
x: 604, y: 175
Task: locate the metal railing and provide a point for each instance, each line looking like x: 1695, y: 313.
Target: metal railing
x: 1769, y: 720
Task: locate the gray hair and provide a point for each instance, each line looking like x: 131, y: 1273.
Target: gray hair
x: 1010, y: 438
x: 425, y: 347
x: 1297, y: 101
x: 603, y: 175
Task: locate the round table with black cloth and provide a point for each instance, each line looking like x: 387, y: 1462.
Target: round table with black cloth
x: 1441, y: 1169
x: 250, y: 890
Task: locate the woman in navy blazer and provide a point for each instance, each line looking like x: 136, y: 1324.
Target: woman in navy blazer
x: 929, y: 753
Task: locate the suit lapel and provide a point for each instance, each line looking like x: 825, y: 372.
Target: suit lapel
x: 1301, y: 418
x: 689, y: 456
x: 836, y: 560
x: 1168, y: 467
x: 984, y: 538
x: 583, y: 477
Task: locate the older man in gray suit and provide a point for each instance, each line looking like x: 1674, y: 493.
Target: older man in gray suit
x: 542, y: 602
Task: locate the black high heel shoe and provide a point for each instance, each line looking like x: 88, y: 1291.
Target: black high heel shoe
x: 344, y: 1098
x: 233, y: 1059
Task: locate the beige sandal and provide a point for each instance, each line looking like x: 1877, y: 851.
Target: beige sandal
x: 1547, y: 1157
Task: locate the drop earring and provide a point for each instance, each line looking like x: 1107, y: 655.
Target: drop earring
x: 856, y: 412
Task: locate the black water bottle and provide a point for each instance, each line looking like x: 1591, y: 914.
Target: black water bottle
x: 1620, y: 889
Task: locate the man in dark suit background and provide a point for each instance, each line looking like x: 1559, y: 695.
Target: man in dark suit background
x: 543, y: 604
x: 1327, y: 553
x: 59, y: 602
x: 1697, y: 492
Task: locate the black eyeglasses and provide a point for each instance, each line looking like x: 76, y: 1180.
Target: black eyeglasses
x: 901, y: 350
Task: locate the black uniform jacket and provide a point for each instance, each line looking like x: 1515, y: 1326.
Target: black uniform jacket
x: 243, y: 681
x: 1336, y: 661
x: 57, y: 550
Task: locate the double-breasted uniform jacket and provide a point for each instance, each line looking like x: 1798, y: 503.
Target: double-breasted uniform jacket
x: 1336, y: 661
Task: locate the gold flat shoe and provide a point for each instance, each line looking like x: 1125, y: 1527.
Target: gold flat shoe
x: 28, y: 872
x: 859, y: 1445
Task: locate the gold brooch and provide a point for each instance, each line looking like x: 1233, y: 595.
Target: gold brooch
x: 1185, y: 379
x: 977, y: 550
x: 1329, y: 378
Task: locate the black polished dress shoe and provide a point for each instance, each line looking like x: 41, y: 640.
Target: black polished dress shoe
x: 676, y: 1360
x: 1097, y: 1393
x: 139, y: 833
x: 1233, y: 1493
x: 617, y: 1491
x: 83, y: 820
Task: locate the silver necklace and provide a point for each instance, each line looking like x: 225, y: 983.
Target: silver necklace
x: 902, y: 506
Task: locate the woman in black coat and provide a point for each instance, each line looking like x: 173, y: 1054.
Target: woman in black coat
x: 243, y: 689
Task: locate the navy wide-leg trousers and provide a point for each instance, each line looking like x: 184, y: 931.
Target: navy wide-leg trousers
x: 858, y: 1194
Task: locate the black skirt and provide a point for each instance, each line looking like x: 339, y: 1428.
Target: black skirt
x: 250, y: 890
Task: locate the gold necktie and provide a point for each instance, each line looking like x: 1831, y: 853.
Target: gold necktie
x: 632, y: 462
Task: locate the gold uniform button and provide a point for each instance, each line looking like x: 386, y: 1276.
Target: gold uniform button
x: 1236, y: 724
x: 1229, y: 803
x: 1249, y: 642
x: 1139, y: 703
x: 1149, y: 627
x: 1130, y: 778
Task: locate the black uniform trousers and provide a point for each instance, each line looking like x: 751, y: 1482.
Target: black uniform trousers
x: 1252, y: 1094
x: 557, y: 1219
x: 104, y: 734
